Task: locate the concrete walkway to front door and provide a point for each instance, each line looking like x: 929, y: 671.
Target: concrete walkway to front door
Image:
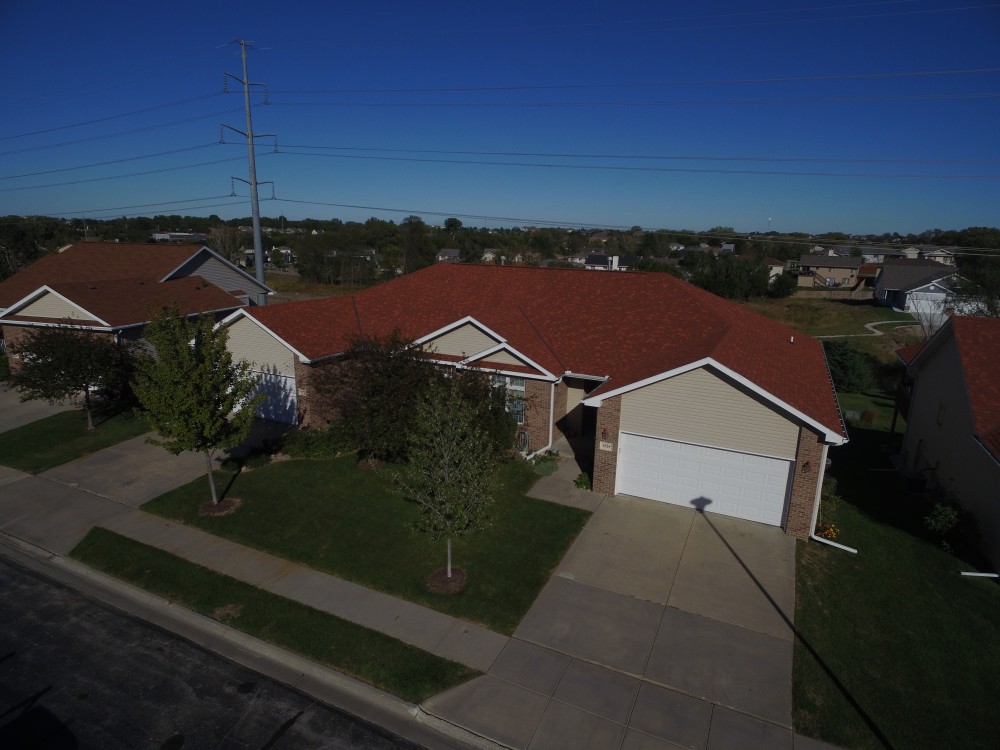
x: 662, y: 627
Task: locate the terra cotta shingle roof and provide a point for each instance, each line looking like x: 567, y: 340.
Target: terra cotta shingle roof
x: 978, y: 343
x: 625, y: 326
x: 95, y: 261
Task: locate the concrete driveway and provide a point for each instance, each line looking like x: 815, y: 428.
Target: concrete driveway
x: 662, y: 627
x: 15, y: 413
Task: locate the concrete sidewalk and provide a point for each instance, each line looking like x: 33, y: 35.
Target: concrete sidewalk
x: 427, y: 629
x: 661, y: 628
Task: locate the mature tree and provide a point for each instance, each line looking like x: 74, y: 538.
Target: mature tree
x: 979, y: 291
x: 452, y: 470
x: 730, y: 276
x: 190, y: 389
x: 374, y: 388
x: 784, y: 285
x: 58, y: 363
x: 226, y: 241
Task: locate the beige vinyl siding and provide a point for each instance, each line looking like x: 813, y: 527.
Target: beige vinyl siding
x: 940, y: 446
x: 462, y: 342
x: 249, y: 341
x: 703, y: 408
x: 52, y: 306
x: 503, y: 358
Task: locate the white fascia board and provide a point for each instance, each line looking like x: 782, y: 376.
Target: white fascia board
x: 210, y: 251
x: 829, y: 436
x: 45, y: 289
x: 458, y: 324
x: 466, y: 366
x: 242, y: 313
x: 512, y: 352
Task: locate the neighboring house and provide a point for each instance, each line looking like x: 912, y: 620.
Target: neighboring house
x: 879, y: 255
x: 449, y: 255
x: 490, y: 255
x: 112, y: 288
x: 828, y: 271
x: 687, y: 398
x: 729, y: 247
x: 943, y: 255
x: 924, y: 288
x: 182, y: 237
x: 775, y: 268
x: 952, y: 439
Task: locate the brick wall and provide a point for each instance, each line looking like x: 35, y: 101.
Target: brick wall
x: 808, y: 456
x: 537, y: 414
x: 606, y: 462
x: 314, y: 409
x: 559, y: 406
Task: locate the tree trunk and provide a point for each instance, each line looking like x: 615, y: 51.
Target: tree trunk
x: 211, y: 478
x: 449, y: 557
x: 86, y: 408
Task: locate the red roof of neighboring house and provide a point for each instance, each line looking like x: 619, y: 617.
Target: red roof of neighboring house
x: 626, y: 326
x: 124, y: 302
x: 95, y: 260
x: 978, y: 341
x: 909, y: 353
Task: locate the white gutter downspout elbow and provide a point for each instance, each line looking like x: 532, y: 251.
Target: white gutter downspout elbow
x: 816, y: 502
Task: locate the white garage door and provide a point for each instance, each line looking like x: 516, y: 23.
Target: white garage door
x: 280, y: 404
x: 741, y: 485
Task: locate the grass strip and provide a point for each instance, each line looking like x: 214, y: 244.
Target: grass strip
x: 332, y: 516
x: 386, y: 663
x: 63, y: 437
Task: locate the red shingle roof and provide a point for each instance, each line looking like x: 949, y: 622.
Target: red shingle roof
x: 627, y: 326
x: 92, y: 261
x: 909, y: 353
x: 978, y: 343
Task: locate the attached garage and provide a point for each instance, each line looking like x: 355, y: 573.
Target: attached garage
x: 742, y: 485
x: 698, y: 439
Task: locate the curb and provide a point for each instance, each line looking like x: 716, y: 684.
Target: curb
x: 326, y: 685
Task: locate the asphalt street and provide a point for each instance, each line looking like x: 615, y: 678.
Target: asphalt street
x: 76, y: 674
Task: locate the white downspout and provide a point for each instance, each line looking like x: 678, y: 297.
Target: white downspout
x: 552, y: 407
x: 816, y: 502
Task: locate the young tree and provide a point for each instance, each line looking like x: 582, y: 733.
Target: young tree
x: 452, y: 471
x: 191, y: 391
x: 59, y: 362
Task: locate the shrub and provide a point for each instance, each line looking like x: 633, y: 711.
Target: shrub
x: 328, y: 442
x: 583, y: 481
x: 852, y: 370
x: 942, y: 519
x: 829, y: 501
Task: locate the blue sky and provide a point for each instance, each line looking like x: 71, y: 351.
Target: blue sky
x: 823, y: 115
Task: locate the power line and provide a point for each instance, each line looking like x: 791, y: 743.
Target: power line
x: 112, y: 161
x: 652, y: 157
x: 629, y: 85
x: 622, y: 168
x: 112, y: 117
x: 118, y: 133
x: 122, y: 176
x: 652, y: 103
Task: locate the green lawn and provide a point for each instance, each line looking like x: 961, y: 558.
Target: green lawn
x: 384, y: 662
x: 332, y: 516
x: 896, y: 649
x: 58, y: 439
x: 826, y: 317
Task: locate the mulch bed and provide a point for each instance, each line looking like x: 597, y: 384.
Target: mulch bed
x: 224, y: 508
x: 440, y: 583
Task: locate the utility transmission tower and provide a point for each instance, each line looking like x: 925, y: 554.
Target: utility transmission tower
x: 258, y: 249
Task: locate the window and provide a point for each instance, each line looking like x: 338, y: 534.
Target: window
x: 515, y: 394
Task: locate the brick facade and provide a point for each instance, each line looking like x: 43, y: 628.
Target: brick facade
x: 314, y: 410
x: 807, y: 472
x: 559, y: 406
x: 537, y: 412
x: 606, y: 462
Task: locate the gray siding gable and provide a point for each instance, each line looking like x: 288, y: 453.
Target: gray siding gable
x: 220, y: 273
